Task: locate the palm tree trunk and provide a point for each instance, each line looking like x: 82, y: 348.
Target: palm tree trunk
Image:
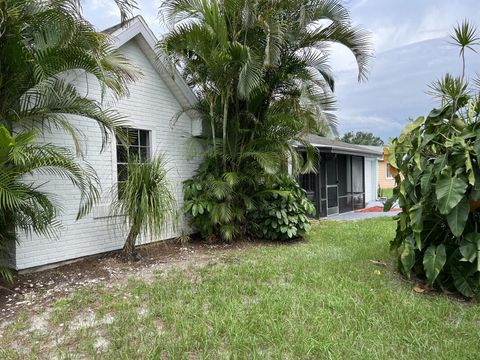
x: 225, y: 119
x: 212, y: 124
x: 129, y: 246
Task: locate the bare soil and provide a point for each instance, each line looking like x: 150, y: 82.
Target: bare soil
x: 36, y: 290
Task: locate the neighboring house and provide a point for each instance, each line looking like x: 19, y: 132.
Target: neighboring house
x: 149, y: 109
x: 385, y: 176
x: 346, y: 178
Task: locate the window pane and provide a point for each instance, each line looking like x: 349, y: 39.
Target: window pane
x: 122, y: 172
x: 133, y: 137
x: 144, y: 138
x: 389, y: 174
x: 143, y: 154
x: 122, y: 156
x: 134, y: 153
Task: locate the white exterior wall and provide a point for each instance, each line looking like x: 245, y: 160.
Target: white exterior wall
x: 150, y: 106
x: 371, y: 182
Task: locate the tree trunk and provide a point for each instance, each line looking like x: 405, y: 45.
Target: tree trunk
x: 129, y: 247
x: 225, y: 118
x: 212, y: 124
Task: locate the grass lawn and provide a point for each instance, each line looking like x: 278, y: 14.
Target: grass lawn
x: 387, y: 193
x: 320, y: 299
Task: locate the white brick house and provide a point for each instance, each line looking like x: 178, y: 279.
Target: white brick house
x: 153, y: 101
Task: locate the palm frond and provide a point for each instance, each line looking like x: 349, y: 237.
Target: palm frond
x: 146, y: 198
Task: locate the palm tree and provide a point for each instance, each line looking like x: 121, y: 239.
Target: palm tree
x: 23, y: 204
x: 144, y: 201
x: 256, y: 62
x: 42, y: 43
x: 260, y: 69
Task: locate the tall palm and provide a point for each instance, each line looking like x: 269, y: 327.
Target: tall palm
x: 145, y: 201
x: 23, y: 204
x: 42, y: 42
x: 257, y: 62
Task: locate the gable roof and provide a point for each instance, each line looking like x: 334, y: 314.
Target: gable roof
x: 340, y: 147
x: 136, y: 28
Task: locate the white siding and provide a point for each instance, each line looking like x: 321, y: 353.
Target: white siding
x: 370, y: 179
x: 150, y: 105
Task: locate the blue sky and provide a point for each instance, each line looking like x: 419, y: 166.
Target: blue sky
x: 411, y: 50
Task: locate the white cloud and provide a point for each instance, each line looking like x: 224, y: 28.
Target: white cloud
x: 399, y: 75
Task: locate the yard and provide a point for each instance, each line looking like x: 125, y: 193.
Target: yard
x: 329, y: 297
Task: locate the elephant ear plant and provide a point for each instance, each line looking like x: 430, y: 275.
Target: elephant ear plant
x: 437, y: 164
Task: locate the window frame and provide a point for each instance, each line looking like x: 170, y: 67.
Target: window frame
x: 139, y: 145
x: 388, y: 173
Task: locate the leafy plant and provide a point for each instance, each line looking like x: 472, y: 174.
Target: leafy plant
x: 43, y: 44
x: 23, y: 204
x: 217, y: 203
x: 282, y: 211
x: 261, y: 72
x: 260, y: 68
x: 145, y: 201
x: 438, y: 187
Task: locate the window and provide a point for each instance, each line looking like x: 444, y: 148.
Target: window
x: 388, y: 172
x: 138, y: 148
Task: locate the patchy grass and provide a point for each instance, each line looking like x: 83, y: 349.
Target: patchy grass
x: 323, y: 298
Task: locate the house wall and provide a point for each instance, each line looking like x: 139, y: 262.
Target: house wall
x: 383, y: 181
x: 371, y: 182
x: 151, y: 106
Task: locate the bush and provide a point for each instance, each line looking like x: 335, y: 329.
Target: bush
x: 216, y: 204
x: 437, y: 162
x: 231, y: 205
x: 438, y: 189
x: 282, y: 212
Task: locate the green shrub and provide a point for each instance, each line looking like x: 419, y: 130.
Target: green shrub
x: 438, y: 189
x: 216, y: 204
x: 231, y: 205
x: 282, y: 212
x: 437, y: 186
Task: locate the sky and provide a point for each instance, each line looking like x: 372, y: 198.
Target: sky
x: 412, y: 49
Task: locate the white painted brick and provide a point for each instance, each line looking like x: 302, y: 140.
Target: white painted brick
x: 150, y: 105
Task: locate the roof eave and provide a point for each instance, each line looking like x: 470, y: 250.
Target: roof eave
x: 138, y: 26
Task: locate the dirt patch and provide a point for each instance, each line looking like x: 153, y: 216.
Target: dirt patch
x: 32, y: 292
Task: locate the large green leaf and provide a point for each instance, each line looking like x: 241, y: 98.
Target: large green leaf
x: 426, y: 179
x: 411, y: 127
x: 407, y: 256
x: 392, y: 154
x: 469, y: 167
x: 440, y: 163
x: 390, y: 201
x: 475, y: 194
x: 465, y: 279
x: 457, y: 218
x: 416, y: 220
x: 476, y: 145
x: 433, y: 261
x: 470, y: 248
x: 449, y: 191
